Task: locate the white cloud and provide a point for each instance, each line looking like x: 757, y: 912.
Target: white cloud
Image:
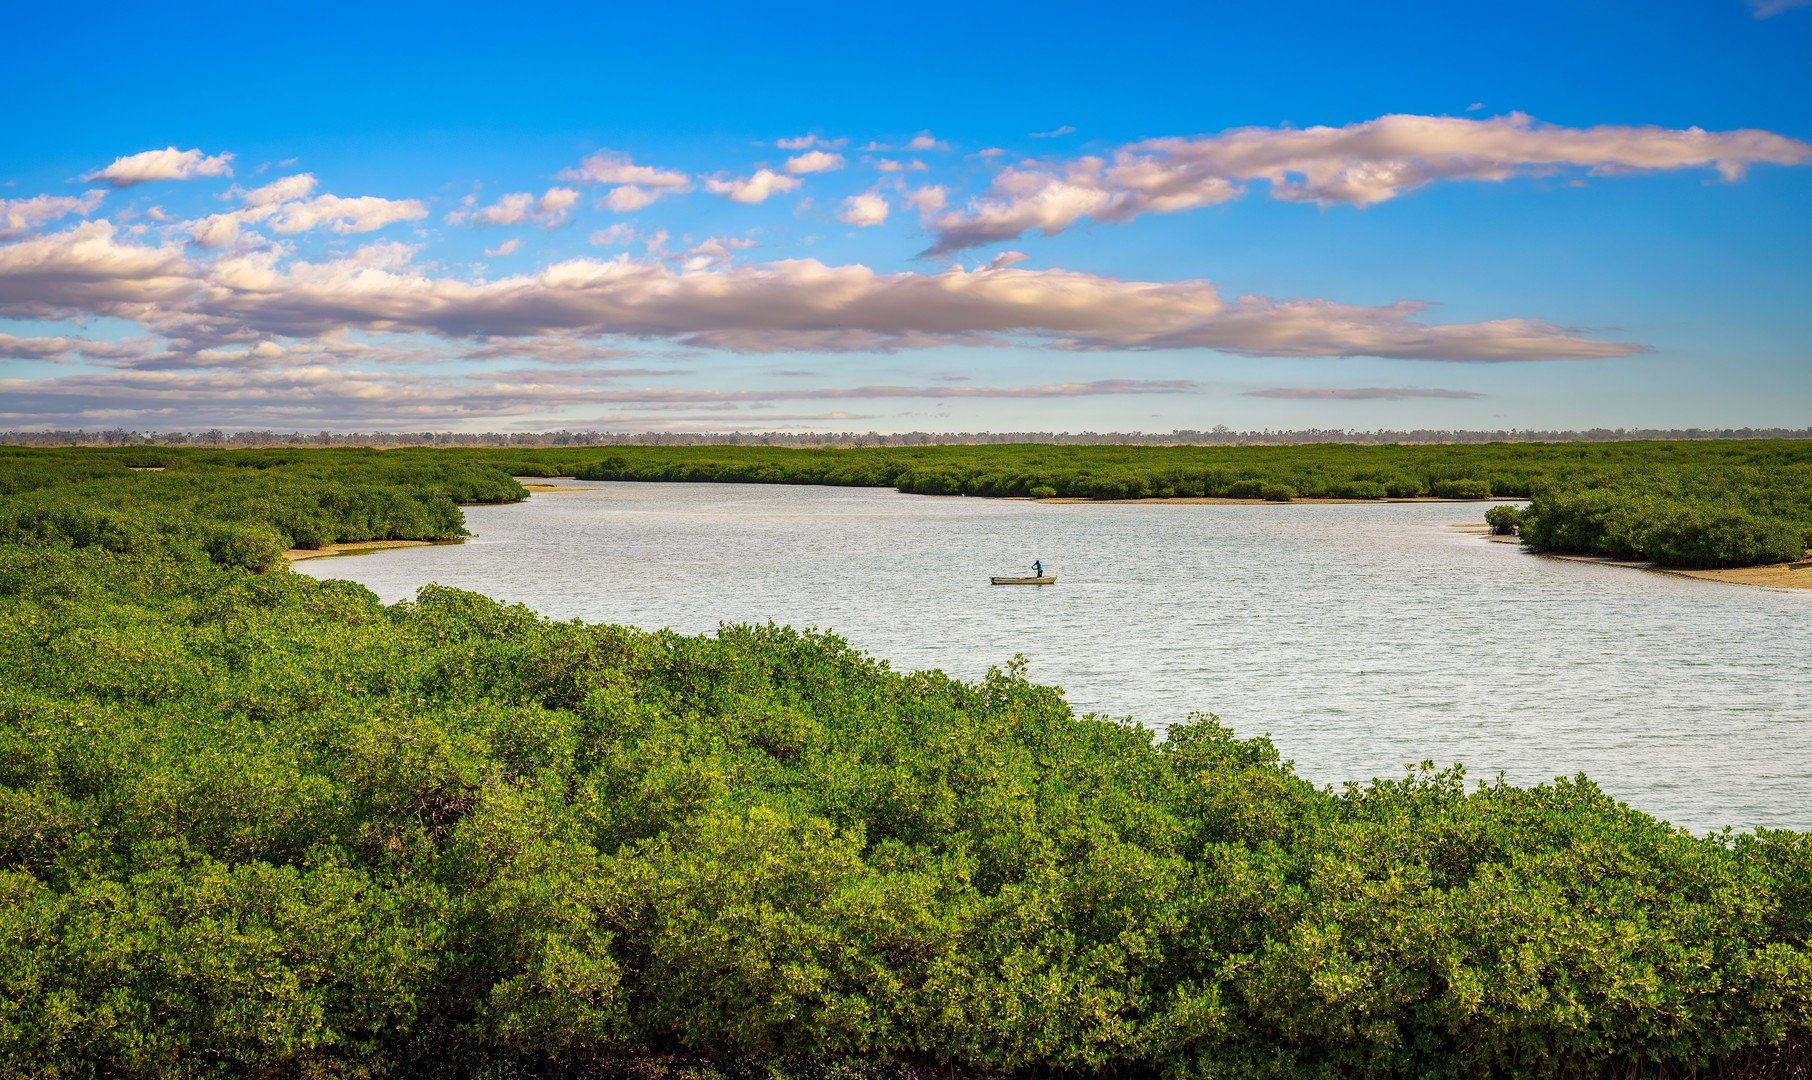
x: 611, y: 167
x: 13, y: 347
x: 715, y: 251
x: 288, y: 189
x: 362, y: 214
x: 1359, y: 393
x: 63, y: 349
x: 863, y: 210
x: 924, y: 141
x: 1357, y: 165
x: 21, y: 216
x: 167, y: 164
x: 508, y: 247
x: 1768, y: 9
x: 814, y: 161
x: 285, y: 207
x: 630, y: 197
x: 806, y: 142
x: 926, y: 200
x: 1055, y: 132
x: 84, y: 269
x: 549, y: 211
x: 620, y: 233
x: 632, y: 186
x: 314, y: 395
x: 761, y: 307
x: 756, y: 188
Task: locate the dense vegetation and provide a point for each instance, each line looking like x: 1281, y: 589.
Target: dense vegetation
x: 1703, y: 504
x: 1708, y: 503
x: 254, y: 822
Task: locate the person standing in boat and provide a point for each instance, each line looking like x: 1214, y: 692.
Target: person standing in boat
x: 1037, y: 568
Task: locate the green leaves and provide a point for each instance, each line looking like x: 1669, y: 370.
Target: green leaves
x: 261, y: 823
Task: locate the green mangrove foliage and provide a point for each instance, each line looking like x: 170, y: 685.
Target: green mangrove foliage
x: 1702, y: 503
x: 1503, y: 520
x: 243, y: 508
x: 259, y: 823
x: 1699, y: 504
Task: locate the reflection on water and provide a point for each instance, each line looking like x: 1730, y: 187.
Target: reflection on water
x: 1360, y: 637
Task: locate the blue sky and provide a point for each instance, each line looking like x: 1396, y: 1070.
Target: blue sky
x: 1139, y: 218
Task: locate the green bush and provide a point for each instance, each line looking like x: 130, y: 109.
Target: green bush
x: 1461, y: 489
x: 1503, y: 519
x: 259, y: 823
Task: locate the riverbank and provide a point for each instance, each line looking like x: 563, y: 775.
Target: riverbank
x: 326, y: 551
x: 1198, y: 500
x: 1771, y: 576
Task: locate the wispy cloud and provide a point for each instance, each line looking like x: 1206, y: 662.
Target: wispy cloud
x: 758, y: 187
x: 1768, y: 9
x: 21, y: 216
x: 313, y: 396
x: 167, y: 164
x: 287, y: 207
x: 1357, y: 165
x: 781, y: 306
x: 814, y: 161
x: 1358, y: 393
x: 631, y: 186
x: 549, y: 210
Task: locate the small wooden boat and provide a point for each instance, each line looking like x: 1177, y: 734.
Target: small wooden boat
x: 1051, y: 580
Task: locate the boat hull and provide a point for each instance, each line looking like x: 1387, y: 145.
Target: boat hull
x: 1052, y: 580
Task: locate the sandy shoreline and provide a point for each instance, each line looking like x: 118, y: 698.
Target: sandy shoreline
x: 357, y: 548
x: 1771, y: 576
x: 1204, y: 500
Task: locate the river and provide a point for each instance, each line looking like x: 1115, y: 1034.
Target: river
x: 1360, y: 637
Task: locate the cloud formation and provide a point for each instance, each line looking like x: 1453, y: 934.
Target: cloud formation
x: 21, y: 216
x: 313, y: 395
x: 62, y: 349
x: 549, y: 211
x: 814, y: 161
x: 806, y: 142
x: 755, y: 188
x: 286, y: 208
x: 1357, y: 165
x: 1358, y: 393
x: 166, y: 164
x: 632, y: 186
x: 863, y: 210
x: 786, y: 305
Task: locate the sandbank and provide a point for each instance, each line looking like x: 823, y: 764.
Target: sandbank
x: 1771, y: 576
x: 357, y: 548
x: 1203, y: 500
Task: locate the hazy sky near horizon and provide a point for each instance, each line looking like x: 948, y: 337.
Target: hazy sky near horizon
x: 941, y: 218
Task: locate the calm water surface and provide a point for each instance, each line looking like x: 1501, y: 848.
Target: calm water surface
x: 1360, y: 637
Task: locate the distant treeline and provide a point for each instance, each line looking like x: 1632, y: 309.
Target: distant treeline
x: 1220, y: 435
x: 259, y: 824
x: 1692, y: 504
x: 1688, y: 504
